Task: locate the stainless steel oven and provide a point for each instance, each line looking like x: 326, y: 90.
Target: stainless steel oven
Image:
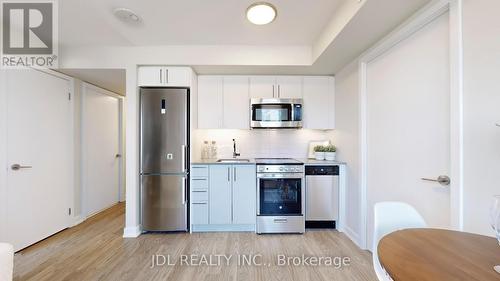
x: 280, y: 198
x: 276, y: 113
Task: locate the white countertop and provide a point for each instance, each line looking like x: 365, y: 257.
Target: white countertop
x: 307, y: 162
x: 311, y: 162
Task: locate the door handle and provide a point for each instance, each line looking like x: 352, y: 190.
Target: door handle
x: 118, y: 155
x: 497, y: 124
x: 442, y: 180
x: 280, y: 220
x: 166, y: 75
x: 273, y: 92
x: 228, y: 174
x: 279, y: 91
x: 161, y: 74
x: 17, y: 167
x: 234, y: 173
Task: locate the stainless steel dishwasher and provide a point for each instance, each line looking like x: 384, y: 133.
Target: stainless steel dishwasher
x: 322, y: 196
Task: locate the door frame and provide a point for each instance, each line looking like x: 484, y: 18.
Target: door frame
x: 426, y: 15
x: 4, y: 148
x: 84, y: 146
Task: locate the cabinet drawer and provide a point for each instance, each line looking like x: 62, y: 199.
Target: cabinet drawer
x: 199, y: 213
x: 199, y: 171
x: 199, y: 195
x: 199, y: 183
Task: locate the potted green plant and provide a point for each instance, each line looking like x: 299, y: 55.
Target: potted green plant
x: 330, y: 152
x: 319, y: 152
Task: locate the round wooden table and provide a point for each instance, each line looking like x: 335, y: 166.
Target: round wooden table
x: 439, y: 255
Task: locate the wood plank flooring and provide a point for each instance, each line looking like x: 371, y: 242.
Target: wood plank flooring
x: 95, y: 250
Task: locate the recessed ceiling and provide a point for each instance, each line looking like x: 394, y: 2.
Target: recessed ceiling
x: 113, y: 80
x: 191, y: 22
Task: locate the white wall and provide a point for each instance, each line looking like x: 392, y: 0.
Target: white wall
x: 3, y: 157
x: 259, y: 143
x: 346, y: 136
x: 481, y: 111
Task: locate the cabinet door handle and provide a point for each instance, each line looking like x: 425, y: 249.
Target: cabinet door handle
x: 166, y: 76
x: 228, y: 174
x: 234, y: 173
x: 279, y: 91
x: 273, y: 91
x: 161, y: 76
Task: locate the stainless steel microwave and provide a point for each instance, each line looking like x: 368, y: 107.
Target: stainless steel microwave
x: 276, y: 113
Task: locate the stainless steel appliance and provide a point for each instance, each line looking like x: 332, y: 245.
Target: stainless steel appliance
x: 322, y: 196
x: 280, y: 196
x: 164, y: 142
x: 276, y: 113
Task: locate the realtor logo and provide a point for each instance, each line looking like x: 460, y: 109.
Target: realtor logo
x: 29, y: 35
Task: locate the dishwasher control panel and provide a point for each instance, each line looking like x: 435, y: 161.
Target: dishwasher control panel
x: 322, y: 170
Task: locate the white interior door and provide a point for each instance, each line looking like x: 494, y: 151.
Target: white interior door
x: 408, y: 125
x: 101, y: 121
x: 39, y: 140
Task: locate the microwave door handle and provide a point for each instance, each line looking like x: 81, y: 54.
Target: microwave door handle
x: 293, y: 112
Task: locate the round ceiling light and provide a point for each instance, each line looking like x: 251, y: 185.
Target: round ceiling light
x: 261, y: 13
x: 126, y: 15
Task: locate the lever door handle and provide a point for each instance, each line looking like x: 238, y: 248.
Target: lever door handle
x: 17, y: 167
x: 442, y: 180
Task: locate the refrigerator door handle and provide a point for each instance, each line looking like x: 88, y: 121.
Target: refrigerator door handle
x: 183, y: 148
x: 183, y: 190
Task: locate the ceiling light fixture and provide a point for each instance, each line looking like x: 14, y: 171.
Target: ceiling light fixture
x: 261, y: 13
x: 126, y: 15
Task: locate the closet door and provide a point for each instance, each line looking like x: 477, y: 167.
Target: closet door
x: 39, y: 156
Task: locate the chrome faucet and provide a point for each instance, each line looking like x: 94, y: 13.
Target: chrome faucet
x: 234, y: 149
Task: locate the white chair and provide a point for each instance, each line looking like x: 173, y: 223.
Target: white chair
x: 390, y: 217
x: 6, y: 262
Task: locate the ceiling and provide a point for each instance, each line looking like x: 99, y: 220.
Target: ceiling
x: 193, y: 22
x: 214, y: 36
x: 373, y: 21
x: 109, y: 79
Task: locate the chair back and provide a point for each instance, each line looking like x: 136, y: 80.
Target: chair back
x: 390, y: 217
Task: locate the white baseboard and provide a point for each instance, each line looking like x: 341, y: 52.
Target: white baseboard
x: 351, y: 234
x: 77, y: 220
x: 131, y: 232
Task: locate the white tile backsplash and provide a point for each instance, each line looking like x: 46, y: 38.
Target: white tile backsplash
x: 259, y: 143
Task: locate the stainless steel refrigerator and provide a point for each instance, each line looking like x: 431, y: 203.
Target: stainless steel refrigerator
x: 164, y: 140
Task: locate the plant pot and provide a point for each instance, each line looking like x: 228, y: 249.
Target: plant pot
x: 319, y: 155
x: 330, y: 156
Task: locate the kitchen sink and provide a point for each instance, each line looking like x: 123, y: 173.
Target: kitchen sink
x: 233, y: 161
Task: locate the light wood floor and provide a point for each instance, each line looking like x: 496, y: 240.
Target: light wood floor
x: 95, y: 250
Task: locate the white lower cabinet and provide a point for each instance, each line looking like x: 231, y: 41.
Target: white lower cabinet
x: 220, y: 194
x: 228, y: 202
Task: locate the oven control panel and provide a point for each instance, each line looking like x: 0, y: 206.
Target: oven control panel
x: 280, y: 168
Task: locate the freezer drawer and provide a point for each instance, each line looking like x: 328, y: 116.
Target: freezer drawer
x: 164, y: 202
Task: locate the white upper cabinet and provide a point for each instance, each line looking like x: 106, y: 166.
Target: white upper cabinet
x: 162, y: 76
x: 319, y: 103
x: 224, y: 101
x: 276, y: 87
x: 236, y: 101
x: 263, y: 87
x: 289, y: 87
x: 210, y: 102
